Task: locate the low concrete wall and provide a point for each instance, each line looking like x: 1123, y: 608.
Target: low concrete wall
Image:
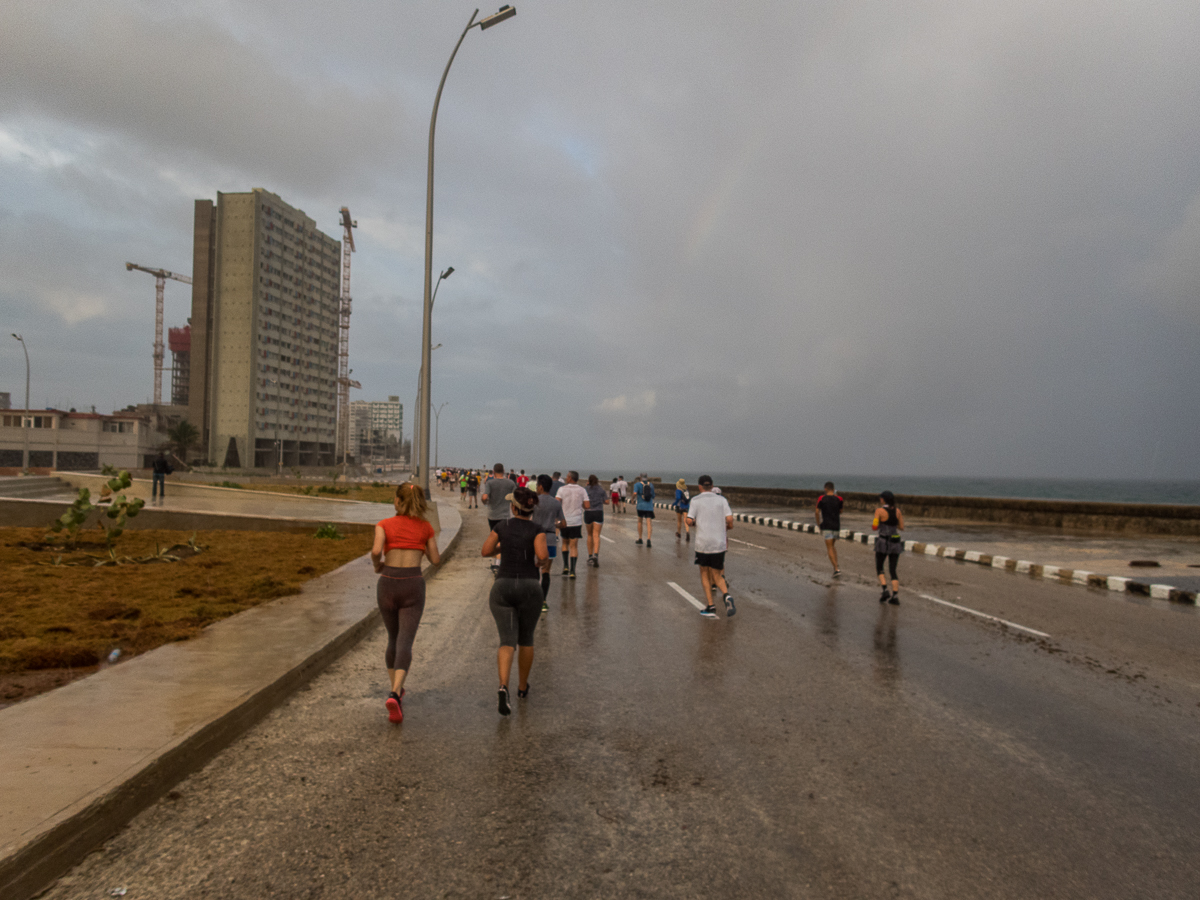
x: 1069, y: 515
x: 18, y: 512
x: 142, y: 487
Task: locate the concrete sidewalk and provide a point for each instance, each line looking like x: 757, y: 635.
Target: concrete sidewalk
x: 79, y: 762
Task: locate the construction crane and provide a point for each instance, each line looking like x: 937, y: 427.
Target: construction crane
x: 160, y: 279
x: 344, y: 381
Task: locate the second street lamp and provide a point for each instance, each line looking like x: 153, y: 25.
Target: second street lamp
x: 422, y: 476
x: 437, y: 418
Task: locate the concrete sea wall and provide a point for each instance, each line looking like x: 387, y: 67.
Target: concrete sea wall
x: 1068, y: 515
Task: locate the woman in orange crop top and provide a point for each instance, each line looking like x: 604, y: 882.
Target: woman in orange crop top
x: 400, y: 542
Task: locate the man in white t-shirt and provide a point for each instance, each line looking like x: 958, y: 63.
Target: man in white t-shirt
x: 710, y: 517
x: 622, y: 490
x: 574, y: 500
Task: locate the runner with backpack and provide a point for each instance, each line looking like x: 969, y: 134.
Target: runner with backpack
x: 644, y: 490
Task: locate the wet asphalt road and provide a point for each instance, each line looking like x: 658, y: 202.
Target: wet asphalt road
x: 816, y: 745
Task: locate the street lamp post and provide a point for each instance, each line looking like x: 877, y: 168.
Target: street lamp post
x: 416, y: 461
x: 27, y: 419
x: 505, y: 12
x: 437, y: 417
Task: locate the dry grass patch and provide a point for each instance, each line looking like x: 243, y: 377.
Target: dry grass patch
x: 66, y: 619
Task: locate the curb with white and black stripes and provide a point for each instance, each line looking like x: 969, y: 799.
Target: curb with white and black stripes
x: 1035, y: 570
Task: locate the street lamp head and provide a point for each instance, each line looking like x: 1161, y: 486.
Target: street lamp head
x: 18, y: 337
x: 505, y: 12
x: 449, y: 271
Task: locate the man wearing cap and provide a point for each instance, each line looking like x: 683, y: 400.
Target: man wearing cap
x: 711, y: 516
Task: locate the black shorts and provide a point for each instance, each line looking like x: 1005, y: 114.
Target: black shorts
x: 571, y: 532
x: 711, y: 560
x: 593, y: 515
x: 645, y: 513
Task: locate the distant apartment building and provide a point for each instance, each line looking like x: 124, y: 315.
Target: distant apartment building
x: 376, y: 428
x: 262, y: 349
x: 80, y: 441
x: 5, y: 400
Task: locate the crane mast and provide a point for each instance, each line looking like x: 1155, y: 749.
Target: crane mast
x: 160, y: 279
x: 344, y: 382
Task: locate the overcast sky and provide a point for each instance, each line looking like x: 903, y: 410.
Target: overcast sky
x: 938, y: 237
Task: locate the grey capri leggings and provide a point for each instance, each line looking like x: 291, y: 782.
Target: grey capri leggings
x: 516, y: 605
x: 892, y: 559
x: 401, y: 597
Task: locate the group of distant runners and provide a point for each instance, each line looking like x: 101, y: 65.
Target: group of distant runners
x: 531, y: 518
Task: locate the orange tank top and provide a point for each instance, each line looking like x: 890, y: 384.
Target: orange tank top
x: 406, y: 533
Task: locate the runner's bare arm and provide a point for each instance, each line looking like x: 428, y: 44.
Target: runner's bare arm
x: 491, y: 546
x: 729, y: 523
x: 377, y: 549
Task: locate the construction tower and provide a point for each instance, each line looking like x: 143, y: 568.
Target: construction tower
x: 160, y: 279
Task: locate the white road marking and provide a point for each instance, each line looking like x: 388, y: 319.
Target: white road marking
x: 976, y: 612
x: 610, y: 540
x: 686, y: 596
x: 747, y: 543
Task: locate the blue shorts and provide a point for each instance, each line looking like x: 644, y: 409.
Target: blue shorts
x: 831, y: 535
x: 553, y: 548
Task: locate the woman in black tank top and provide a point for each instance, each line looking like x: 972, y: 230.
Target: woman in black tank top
x: 516, y: 597
x: 888, y: 523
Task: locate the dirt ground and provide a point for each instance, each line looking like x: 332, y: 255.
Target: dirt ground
x: 61, y: 615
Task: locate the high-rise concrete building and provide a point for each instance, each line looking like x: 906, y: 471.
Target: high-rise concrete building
x: 263, y: 348
x: 376, y: 428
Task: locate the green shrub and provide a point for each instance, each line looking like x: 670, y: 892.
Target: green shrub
x: 329, y: 530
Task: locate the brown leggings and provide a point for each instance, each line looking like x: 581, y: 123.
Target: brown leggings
x: 400, y: 593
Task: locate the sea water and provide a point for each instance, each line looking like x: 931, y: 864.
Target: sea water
x: 1186, y: 493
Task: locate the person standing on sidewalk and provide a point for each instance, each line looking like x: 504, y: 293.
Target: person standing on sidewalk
x: 574, y: 500
x: 712, y: 517
x: 829, y: 520
x: 494, y: 491
x: 400, y: 542
x: 887, y: 524
x: 161, y: 469
x: 515, y: 599
x: 615, y: 496
x: 622, y: 490
x: 644, y: 491
x: 549, y: 515
x: 593, y: 518
x: 682, y: 499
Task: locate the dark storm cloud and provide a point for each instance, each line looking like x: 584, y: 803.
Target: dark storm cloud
x: 936, y: 238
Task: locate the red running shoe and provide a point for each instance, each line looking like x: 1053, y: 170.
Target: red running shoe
x: 395, y: 712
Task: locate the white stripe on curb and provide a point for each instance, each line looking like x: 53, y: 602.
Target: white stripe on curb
x: 686, y: 596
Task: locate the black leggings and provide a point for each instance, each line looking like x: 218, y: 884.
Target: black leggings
x: 892, y: 558
x: 400, y: 593
x: 516, y: 606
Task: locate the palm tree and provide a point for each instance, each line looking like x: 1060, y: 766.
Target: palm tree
x: 184, y: 437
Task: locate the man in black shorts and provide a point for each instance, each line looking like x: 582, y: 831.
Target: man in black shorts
x: 709, y: 514
x: 472, y: 490
x: 829, y: 520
